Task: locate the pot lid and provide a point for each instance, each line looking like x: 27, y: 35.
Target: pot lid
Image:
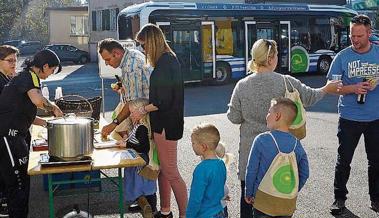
x: 70, y: 120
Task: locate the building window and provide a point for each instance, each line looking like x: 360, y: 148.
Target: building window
x: 98, y: 20
x: 79, y: 25
x: 106, y: 20
x: 113, y: 18
x: 93, y: 20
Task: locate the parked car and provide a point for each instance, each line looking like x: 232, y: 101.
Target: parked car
x: 14, y: 43
x: 29, y: 47
x: 69, y: 53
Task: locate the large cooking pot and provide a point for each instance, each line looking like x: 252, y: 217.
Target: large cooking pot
x: 70, y: 138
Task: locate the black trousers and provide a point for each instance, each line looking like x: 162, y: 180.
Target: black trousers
x: 14, y: 155
x: 349, y: 133
x: 246, y: 210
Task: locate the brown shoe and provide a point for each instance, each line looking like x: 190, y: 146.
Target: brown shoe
x: 146, y: 211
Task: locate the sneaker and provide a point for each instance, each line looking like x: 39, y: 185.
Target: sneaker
x: 338, y: 207
x: 375, y: 206
x: 146, y: 212
x: 134, y: 208
x: 160, y: 215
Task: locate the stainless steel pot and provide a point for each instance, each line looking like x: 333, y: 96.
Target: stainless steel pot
x: 70, y: 138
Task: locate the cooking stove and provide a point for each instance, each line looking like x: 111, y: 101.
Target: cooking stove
x: 47, y: 160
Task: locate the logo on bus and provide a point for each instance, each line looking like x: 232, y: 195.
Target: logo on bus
x: 299, y: 59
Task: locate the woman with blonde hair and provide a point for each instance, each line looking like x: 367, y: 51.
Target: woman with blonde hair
x: 166, y: 103
x: 251, y: 99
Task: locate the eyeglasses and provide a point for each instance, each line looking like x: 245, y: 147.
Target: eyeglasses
x: 11, y: 61
x: 361, y: 20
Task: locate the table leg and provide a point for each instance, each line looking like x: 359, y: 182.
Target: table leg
x: 51, y: 197
x: 121, y: 193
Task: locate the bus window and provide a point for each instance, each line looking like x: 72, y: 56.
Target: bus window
x: 224, y: 38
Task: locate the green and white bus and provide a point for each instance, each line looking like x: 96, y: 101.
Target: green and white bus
x: 213, y: 40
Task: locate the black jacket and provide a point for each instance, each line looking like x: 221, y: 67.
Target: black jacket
x: 167, y: 93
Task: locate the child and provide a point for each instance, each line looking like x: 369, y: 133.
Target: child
x: 283, y: 183
x: 207, y: 188
x: 228, y: 159
x: 138, y: 188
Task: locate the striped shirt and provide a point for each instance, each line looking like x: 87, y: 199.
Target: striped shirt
x: 135, y: 75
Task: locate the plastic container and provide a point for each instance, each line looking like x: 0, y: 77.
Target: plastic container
x: 58, y: 93
x: 45, y: 92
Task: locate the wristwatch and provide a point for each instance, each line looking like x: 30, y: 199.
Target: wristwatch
x: 115, y: 121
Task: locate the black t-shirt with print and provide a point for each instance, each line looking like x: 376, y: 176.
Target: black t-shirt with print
x: 17, y: 111
x: 3, y: 81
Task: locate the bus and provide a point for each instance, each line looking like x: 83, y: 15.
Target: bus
x: 213, y: 40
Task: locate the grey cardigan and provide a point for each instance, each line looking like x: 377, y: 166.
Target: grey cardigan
x: 250, y: 102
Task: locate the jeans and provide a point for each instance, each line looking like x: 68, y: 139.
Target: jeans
x: 246, y: 210
x: 349, y: 133
x: 259, y: 214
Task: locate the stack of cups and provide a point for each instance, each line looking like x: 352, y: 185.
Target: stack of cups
x: 58, y: 93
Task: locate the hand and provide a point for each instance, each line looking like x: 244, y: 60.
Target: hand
x: 107, y: 129
x: 57, y: 111
x: 249, y: 200
x: 362, y: 88
x: 115, y: 87
x: 121, y: 144
x: 333, y: 86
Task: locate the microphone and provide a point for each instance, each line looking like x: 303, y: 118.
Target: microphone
x: 362, y: 97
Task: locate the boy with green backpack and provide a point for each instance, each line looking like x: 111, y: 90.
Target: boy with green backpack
x: 278, y: 165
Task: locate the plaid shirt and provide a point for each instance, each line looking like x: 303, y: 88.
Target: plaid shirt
x: 135, y: 75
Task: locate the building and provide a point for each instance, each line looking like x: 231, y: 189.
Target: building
x: 68, y: 25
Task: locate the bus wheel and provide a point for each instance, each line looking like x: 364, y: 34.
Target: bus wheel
x: 323, y: 64
x: 223, y: 74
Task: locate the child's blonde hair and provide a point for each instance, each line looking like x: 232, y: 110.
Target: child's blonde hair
x: 222, y: 154
x: 145, y: 120
x: 206, y: 134
x: 260, y: 53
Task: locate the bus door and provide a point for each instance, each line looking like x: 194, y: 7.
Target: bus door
x: 272, y: 31
x: 250, y: 38
x: 208, y: 44
x: 185, y: 42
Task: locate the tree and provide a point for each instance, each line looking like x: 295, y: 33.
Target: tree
x: 29, y: 18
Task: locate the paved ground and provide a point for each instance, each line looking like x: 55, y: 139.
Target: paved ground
x: 208, y: 104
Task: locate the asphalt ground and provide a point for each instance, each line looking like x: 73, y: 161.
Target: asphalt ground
x: 209, y: 104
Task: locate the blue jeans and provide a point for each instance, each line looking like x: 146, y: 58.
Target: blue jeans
x: 246, y: 210
x: 259, y: 214
x: 349, y: 133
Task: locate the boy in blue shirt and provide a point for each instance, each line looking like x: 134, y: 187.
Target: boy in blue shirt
x: 207, y: 188
x: 265, y: 148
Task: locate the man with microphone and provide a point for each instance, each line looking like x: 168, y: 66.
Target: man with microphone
x: 358, y: 66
